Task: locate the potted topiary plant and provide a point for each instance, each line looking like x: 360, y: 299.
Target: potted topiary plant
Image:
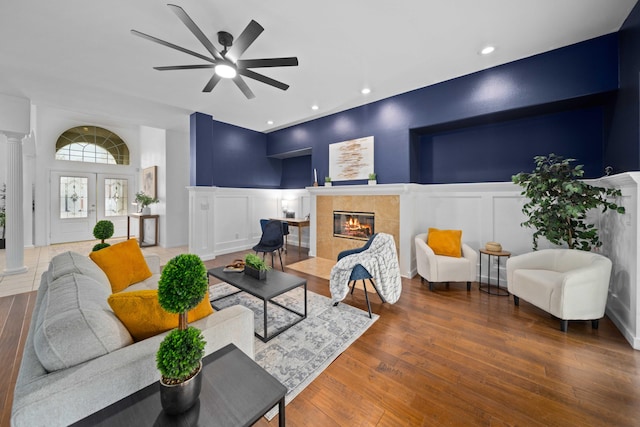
x: 255, y: 266
x: 327, y: 181
x: 181, y: 287
x: 372, y: 179
x: 559, y: 201
x: 143, y: 200
x: 102, y: 230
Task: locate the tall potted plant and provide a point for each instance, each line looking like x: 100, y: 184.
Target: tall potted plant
x: 181, y: 287
x: 559, y: 201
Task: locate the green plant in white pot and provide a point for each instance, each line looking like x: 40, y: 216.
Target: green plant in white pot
x: 143, y: 200
x: 182, y: 285
x: 558, y: 202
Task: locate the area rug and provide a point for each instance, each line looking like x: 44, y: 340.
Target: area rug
x: 298, y: 355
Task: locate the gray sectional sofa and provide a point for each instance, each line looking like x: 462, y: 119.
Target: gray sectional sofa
x: 79, y: 358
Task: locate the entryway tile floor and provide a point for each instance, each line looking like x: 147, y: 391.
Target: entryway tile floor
x: 36, y: 259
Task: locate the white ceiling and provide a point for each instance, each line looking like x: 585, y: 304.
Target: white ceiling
x: 80, y: 55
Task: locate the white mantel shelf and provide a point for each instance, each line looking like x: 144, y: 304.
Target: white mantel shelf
x: 357, y: 190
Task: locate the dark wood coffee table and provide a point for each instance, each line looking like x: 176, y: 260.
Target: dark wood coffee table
x: 276, y: 283
x: 236, y: 391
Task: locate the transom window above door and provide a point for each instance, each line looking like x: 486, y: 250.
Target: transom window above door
x: 92, y: 144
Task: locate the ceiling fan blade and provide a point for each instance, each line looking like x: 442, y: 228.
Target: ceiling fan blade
x: 184, y: 67
x: 212, y: 83
x: 263, y: 79
x: 269, y: 62
x: 186, y: 20
x: 244, y: 40
x: 171, y: 45
x: 242, y: 85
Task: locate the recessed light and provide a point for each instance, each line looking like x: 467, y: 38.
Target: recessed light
x: 487, y: 50
x: 269, y: 122
x: 366, y: 91
x: 314, y: 107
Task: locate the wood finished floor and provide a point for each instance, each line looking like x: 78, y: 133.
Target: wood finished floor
x: 448, y: 357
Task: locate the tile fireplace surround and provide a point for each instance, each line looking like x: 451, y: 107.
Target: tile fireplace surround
x: 386, y: 209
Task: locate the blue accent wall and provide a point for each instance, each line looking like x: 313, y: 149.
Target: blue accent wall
x: 559, y: 76
x: 297, y: 172
x: 231, y: 156
x: 201, y: 149
x: 496, y: 151
x: 485, y: 126
x: 622, y: 150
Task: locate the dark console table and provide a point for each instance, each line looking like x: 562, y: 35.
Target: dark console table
x: 236, y: 391
x: 276, y: 283
x: 141, y: 219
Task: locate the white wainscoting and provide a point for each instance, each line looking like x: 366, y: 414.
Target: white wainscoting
x: 223, y: 220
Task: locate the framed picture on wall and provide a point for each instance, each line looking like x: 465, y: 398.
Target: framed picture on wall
x: 351, y: 160
x: 149, y: 181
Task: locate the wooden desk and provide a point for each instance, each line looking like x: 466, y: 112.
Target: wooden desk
x: 141, y: 220
x: 296, y: 222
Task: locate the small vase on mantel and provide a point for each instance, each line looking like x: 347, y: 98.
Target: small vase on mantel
x: 372, y: 182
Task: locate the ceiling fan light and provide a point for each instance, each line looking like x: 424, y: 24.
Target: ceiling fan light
x: 225, y: 70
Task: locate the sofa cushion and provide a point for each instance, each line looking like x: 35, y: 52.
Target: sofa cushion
x: 539, y: 287
x: 141, y: 313
x: 445, y: 242
x: 123, y: 263
x: 72, y: 262
x: 75, y: 324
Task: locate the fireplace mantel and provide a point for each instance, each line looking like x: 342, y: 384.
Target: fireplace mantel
x: 361, y: 190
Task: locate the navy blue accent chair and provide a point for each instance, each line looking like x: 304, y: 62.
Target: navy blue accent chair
x: 272, y: 240
x: 360, y: 273
x: 285, y: 231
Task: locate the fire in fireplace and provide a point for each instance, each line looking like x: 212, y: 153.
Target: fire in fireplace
x: 353, y: 225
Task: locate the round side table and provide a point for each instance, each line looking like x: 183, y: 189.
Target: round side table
x: 488, y: 287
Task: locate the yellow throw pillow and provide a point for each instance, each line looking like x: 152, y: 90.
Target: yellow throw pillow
x: 123, y: 263
x: 445, y: 242
x: 142, y: 315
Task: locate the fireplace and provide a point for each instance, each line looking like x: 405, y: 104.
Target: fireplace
x: 353, y: 225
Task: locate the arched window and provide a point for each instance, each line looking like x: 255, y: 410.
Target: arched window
x: 92, y: 144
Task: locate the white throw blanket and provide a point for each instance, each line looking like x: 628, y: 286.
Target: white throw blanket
x: 380, y: 260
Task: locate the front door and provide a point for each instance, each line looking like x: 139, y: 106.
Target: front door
x: 81, y: 199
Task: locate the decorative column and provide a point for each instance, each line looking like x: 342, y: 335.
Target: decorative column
x: 14, y: 216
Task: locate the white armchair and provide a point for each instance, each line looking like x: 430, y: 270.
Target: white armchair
x: 568, y: 283
x: 438, y: 268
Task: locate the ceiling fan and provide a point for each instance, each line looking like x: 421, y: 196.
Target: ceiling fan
x: 227, y: 63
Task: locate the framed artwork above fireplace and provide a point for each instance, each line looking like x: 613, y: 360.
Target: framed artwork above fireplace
x: 350, y: 160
